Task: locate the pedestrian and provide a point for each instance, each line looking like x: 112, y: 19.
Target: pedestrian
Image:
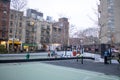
x: 74, y: 52
x: 110, y: 54
x: 78, y: 53
x: 48, y: 53
x: 82, y: 50
x: 55, y: 53
x: 27, y: 56
x: 52, y: 53
x: 105, y: 57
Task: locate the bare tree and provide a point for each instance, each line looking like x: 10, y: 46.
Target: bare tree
x: 72, y: 30
x: 88, y: 35
x: 18, y: 4
x: 96, y: 20
x: 96, y: 13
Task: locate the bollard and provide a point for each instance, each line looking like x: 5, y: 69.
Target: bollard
x: 82, y: 60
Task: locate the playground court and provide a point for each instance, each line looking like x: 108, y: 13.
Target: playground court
x: 44, y: 71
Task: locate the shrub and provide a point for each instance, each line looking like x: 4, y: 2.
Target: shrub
x: 3, y: 49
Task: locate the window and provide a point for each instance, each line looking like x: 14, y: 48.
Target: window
x: 11, y: 16
x: 20, y: 17
x: 11, y: 23
x: 3, y: 23
x: 4, y: 17
x: 39, y: 18
x: 48, y: 27
x: 10, y: 36
x: 20, y: 31
x: 10, y: 30
x: 54, y: 29
x: 5, y: 6
x: 20, y: 24
x: 33, y: 15
x: 3, y: 34
x: 3, y: 28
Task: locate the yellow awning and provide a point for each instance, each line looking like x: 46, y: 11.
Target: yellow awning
x: 15, y: 42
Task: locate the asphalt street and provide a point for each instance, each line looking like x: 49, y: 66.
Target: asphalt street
x: 91, y: 65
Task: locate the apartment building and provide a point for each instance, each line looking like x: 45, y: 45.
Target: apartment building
x: 15, y: 24
x: 15, y: 30
x: 4, y: 20
x: 46, y: 28
x: 56, y: 33
x: 37, y: 33
x: 64, y: 25
x: 30, y: 32
x: 33, y: 32
x: 109, y: 21
x: 31, y: 13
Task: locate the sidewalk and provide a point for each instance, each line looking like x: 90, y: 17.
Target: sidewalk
x: 44, y: 55
x: 98, y: 57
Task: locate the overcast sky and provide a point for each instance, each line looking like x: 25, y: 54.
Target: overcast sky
x: 76, y: 10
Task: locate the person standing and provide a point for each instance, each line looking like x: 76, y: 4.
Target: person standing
x: 105, y: 57
x: 78, y: 53
x: 74, y: 52
x: 110, y: 54
x: 48, y: 53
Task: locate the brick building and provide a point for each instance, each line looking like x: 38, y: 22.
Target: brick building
x: 4, y: 20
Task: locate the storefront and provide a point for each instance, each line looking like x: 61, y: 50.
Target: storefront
x: 11, y: 45
x: 15, y: 45
x: 30, y: 47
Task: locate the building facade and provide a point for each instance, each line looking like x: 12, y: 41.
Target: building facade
x: 64, y: 25
x: 48, y: 33
x: 46, y: 29
x: 38, y: 31
x: 15, y: 24
x: 4, y: 20
x: 32, y: 32
x: 109, y: 21
x: 15, y: 30
x: 31, y: 13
